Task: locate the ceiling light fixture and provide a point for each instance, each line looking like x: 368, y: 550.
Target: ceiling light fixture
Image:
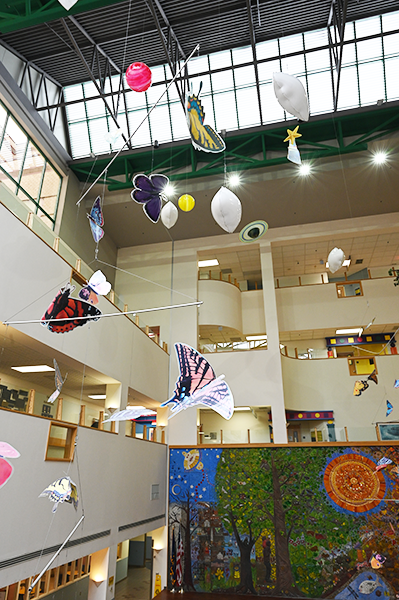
x: 354, y: 331
x: 305, y: 169
x: 346, y: 262
x: 254, y: 338
x: 379, y: 158
x: 234, y: 180
x: 169, y: 190
x: 98, y: 396
x: 213, y: 262
x: 33, y: 369
x: 241, y: 408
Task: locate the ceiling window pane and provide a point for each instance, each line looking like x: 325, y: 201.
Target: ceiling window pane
x: 371, y: 80
x: 79, y: 138
x: 154, y: 95
x: 198, y: 64
x: 95, y: 108
x: 76, y: 112
x: 158, y: 74
x: 320, y: 93
x: 271, y: 109
x: 349, y: 31
x: 391, y: 71
x: 294, y: 65
x: 160, y: 124
x: 391, y: 44
x: 142, y: 137
x: 89, y: 89
x: 33, y: 171
x: 98, y: 130
x: 220, y: 60
x: 266, y: 70
x: 73, y: 92
x: 390, y: 21
x: 119, y: 142
x: 248, y: 107
x: 266, y: 49
x: 222, y: 81
x: 369, y: 49
x: 9, y: 183
x: 3, y: 119
x: 225, y: 111
x: 179, y: 123
x: 291, y: 43
x: 315, y: 39
x: 195, y: 85
x: 318, y: 61
x: 172, y: 91
x: 348, y: 89
x: 244, y: 76
x: 242, y: 55
x: 366, y: 27
x: 135, y: 100
x: 31, y: 206
x: 50, y: 190
x: 13, y: 148
x: 349, y: 55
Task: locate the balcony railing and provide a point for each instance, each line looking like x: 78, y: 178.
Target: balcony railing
x: 232, y: 346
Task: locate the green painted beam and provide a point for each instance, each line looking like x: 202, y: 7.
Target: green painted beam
x: 21, y: 14
x: 249, y: 149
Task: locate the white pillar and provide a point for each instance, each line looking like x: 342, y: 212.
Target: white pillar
x: 160, y: 564
x: 98, y: 581
x: 114, y: 398
x: 273, y: 344
x: 112, y: 554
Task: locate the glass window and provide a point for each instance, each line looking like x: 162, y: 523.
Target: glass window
x: 392, y: 79
x: 32, y: 174
x: 315, y: 39
x: 226, y: 111
x: 371, y: 81
x: 369, y: 49
x: 266, y: 49
x: 318, y: 61
x: 242, y: 55
x: 366, y: 27
x: 320, y: 93
x: 248, y: 107
x: 220, y: 60
x: 50, y: 191
x: 391, y: 44
x: 244, y: 76
x: 160, y: 124
x: 294, y: 65
x: 222, y: 81
x: 348, y: 89
x: 12, y: 151
x: 271, y: 109
x: 291, y: 43
x: 142, y: 137
x: 266, y: 70
x: 390, y: 21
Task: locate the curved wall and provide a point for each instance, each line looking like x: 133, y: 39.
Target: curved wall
x: 221, y: 304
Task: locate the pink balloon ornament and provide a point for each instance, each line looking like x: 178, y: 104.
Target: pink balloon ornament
x: 138, y: 77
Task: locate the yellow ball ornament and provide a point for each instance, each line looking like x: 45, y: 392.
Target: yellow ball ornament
x: 186, y: 202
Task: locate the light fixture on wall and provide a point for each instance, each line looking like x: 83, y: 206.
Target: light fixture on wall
x: 98, y: 580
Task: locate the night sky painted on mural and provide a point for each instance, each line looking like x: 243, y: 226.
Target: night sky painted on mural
x: 319, y: 522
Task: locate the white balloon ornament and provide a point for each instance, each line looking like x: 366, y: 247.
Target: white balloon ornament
x: 169, y: 215
x: 226, y: 209
x: 291, y: 95
x: 335, y: 259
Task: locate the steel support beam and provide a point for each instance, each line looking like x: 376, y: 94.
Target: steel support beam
x: 99, y: 89
x: 253, y: 46
x: 171, y: 47
x: 336, y: 31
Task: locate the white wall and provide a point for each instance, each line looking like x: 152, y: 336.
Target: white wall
x: 318, y: 307
x: 235, y: 431
x: 114, y: 346
x: 114, y: 484
x: 221, y: 304
x: 325, y: 384
x: 253, y: 313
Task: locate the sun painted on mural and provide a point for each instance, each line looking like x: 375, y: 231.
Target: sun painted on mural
x: 352, y: 483
x: 306, y: 521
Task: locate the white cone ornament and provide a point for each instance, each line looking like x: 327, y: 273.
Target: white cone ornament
x: 335, y: 259
x: 226, y: 209
x: 293, y: 154
x: 169, y: 215
x: 291, y: 95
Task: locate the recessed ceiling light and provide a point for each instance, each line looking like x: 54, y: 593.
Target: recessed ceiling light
x: 213, y: 262
x: 305, y: 169
x: 238, y: 408
x: 379, y: 158
x: 33, y: 369
x: 253, y: 338
x: 98, y: 396
x: 346, y: 262
x: 234, y: 180
x: 356, y: 330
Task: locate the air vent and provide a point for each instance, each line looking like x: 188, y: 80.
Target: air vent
x: 359, y: 261
x: 155, y: 491
x: 213, y: 435
x: 226, y: 271
x: 235, y: 339
x: 138, y: 523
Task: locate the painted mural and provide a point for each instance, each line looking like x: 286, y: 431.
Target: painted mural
x: 318, y: 522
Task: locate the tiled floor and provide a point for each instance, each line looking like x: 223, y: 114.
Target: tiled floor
x: 136, y: 585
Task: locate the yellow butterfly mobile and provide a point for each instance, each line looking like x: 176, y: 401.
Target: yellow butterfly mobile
x: 203, y: 137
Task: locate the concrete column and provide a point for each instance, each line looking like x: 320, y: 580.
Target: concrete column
x: 160, y: 564
x: 112, y: 554
x: 273, y: 344
x: 98, y: 581
x: 114, y: 398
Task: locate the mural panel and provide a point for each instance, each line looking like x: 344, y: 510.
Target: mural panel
x: 319, y: 522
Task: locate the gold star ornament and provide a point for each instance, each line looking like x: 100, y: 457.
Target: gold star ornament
x: 292, y: 135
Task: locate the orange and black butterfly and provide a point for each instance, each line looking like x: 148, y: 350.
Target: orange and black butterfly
x: 64, y: 307
x: 203, y: 137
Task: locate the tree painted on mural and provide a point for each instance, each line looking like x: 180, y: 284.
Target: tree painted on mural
x: 239, y: 484
x: 280, y: 489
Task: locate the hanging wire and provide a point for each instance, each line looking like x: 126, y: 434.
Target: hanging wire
x: 102, y: 208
